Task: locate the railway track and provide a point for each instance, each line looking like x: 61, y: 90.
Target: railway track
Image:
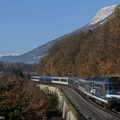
x: 87, y: 108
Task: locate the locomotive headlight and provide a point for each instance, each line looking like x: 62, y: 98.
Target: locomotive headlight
x: 118, y: 92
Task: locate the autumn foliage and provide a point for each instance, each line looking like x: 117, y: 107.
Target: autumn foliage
x: 20, y: 99
x: 91, y: 53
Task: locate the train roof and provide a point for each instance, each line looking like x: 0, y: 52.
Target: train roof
x: 45, y: 77
x: 107, y: 79
x: 102, y: 79
x: 34, y: 76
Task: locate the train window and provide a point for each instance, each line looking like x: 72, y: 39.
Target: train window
x: 82, y: 84
x: 35, y: 78
x: 48, y: 79
x: 55, y: 79
x: 87, y: 84
x: 63, y: 80
x: 106, y: 87
x: 97, y: 85
x: 100, y: 78
x: 113, y: 79
x: 119, y: 79
x: 102, y: 90
x: 113, y: 87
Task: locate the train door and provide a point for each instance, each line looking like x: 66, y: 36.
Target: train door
x: 92, y: 90
x: 87, y: 87
x: 103, y: 90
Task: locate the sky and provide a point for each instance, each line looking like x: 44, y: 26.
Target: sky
x: 28, y: 24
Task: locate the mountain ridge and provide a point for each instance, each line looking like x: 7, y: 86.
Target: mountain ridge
x: 36, y: 54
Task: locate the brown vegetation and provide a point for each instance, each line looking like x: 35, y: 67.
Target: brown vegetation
x: 21, y: 99
x: 91, y: 53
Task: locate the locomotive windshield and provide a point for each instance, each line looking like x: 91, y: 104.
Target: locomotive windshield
x: 113, y: 87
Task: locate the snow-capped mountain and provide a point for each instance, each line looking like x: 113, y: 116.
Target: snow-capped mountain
x: 103, y: 13
x: 31, y: 57
x: 35, y: 55
x: 100, y: 17
x: 2, y: 55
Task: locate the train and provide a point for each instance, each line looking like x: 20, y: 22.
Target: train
x: 102, y: 90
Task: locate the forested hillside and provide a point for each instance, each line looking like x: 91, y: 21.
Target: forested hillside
x: 92, y: 53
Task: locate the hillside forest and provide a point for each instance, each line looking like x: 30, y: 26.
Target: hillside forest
x: 94, y: 52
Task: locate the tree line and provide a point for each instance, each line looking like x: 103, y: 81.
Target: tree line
x: 27, y: 68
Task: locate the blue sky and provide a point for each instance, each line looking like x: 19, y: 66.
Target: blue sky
x: 27, y: 24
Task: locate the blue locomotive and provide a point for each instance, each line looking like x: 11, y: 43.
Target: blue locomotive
x: 103, y: 90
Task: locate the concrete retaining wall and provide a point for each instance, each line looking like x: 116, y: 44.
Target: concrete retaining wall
x: 68, y: 112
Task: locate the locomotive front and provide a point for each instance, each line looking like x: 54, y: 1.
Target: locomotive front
x: 113, y: 92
